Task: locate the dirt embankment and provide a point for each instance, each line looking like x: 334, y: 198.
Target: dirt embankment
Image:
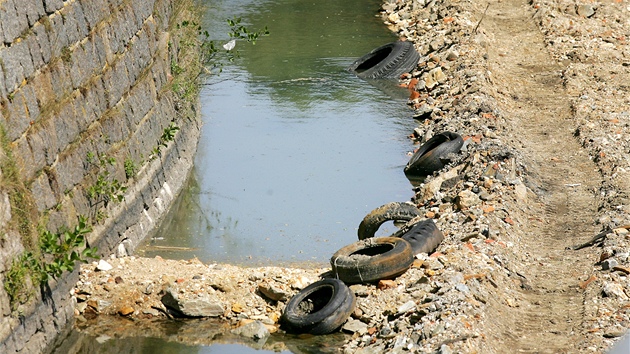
x: 539, y: 90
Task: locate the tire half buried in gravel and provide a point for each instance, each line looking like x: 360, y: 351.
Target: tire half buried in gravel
x: 371, y: 260
x: 431, y: 155
x: 319, y: 308
x: 388, y: 61
x: 423, y: 236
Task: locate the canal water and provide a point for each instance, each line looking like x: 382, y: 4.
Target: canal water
x: 294, y: 152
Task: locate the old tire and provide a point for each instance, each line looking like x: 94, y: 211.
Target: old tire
x: 320, y: 308
x: 430, y: 156
x: 387, y: 61
x: 423, y: 236
x: 394, y: 211
x: 371, y: 260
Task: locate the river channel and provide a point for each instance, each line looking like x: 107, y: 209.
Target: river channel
x: 294, y: 152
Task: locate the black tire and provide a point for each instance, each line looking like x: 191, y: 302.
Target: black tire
x: 430, y: 156
x: 423, y: 236
x: 394, y: 211
x: 387, y: 61
x: 320, y: 308
x: 371, y: 260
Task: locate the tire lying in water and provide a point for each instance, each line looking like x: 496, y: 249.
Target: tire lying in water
x: 394, y: 211
x: 430, y: 156
x: 388, y: 61
x: 320, y: 308
x: 423, y: 236
x: 371, y: 260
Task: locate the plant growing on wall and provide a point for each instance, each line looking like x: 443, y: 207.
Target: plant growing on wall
x: 60, y: 251
x: 106, y: 188
x: 168, y: 135
x: 131, y: 169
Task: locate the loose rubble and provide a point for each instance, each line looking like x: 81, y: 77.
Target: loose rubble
x: 481, y: 200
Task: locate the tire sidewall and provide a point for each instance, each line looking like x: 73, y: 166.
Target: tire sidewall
x: 403, y: 56
x: 329, y: 317
x: 400, y: 211
x: 427, y: 159
x: 372, y: 268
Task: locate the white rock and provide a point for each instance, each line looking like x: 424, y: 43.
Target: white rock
x: 103, y: 266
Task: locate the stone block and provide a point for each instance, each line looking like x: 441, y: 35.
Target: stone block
x: 19, y: 338
x: 36, y: 344
x: 150, y: 28
x: 22, y: 54
x: 5, y: 215
x: 98, y: 49
x: 95, y: 102
x: 79, y: 17
x: 35, y: 51
x: 39, y: 31
x: 159, y: 71
x: 13, y: 72
x: 66, y: 126
x: 163, y: 9
x: 44, y: 196
x: 13, y: 23
x: 69, y: 171
x: 114, y: 127
x: 25, y: 159
x: 30, y: 98
x: 111, y: 29
x: 117, y: 83
x: 77, y: 74
x: 141, y: 48
x: 133, y: 66
x: 143, y: 10
x: 57, y: 35
x: 17, y: 119
x: 3, y: 89
x: 50, y: 146
x: 80, y: 203
x: 60, y: 79
x: 94, y: 11
x: 70, y: 26
x: 42, y: 85
x: 52, y: 5
x: 128, y: 115
x: 34, y: 10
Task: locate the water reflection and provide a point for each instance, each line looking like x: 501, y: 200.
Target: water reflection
x: 109, y: 334
x: 295, y: 150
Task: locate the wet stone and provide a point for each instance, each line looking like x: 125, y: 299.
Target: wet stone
x: 194, y: 306
x: 255, y: 330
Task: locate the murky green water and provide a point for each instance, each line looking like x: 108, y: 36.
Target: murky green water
x: 295, y: 150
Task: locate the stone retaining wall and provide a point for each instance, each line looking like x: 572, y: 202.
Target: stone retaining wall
x: 81, y: 79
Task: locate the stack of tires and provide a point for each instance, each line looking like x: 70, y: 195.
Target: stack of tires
x: 323, y: 307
